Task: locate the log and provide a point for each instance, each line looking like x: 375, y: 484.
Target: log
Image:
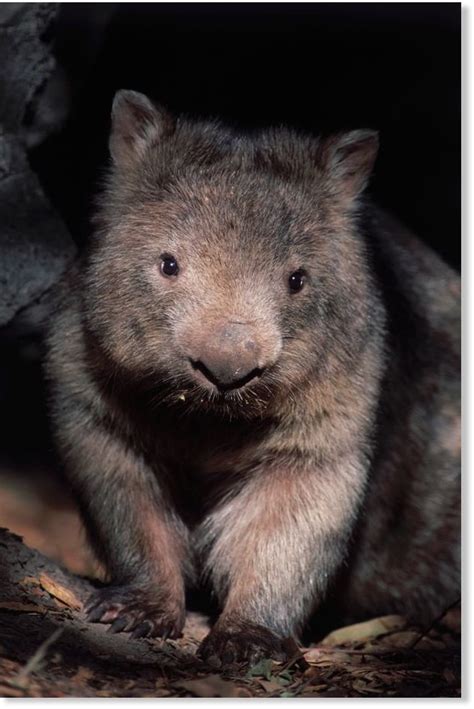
x: 48, y: 649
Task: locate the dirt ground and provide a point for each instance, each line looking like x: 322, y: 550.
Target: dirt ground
x: 48, y: 649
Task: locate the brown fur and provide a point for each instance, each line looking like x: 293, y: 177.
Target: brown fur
x: 333, y: 472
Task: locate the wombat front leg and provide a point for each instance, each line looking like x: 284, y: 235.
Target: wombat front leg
x: 140, y: 540
x: 272, y: 550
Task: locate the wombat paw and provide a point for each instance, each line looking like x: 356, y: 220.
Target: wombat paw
x: 235, y: 642
x: 129, y: 609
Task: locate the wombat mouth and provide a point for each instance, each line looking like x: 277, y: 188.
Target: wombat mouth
x: 228, y: 386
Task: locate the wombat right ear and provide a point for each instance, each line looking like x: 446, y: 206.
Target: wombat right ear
x: 348, y: 159
x: 136, y: 124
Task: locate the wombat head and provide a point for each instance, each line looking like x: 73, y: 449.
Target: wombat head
x: 227, y: 269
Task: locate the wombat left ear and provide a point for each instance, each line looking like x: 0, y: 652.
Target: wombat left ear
x: 348, y: 159
x: 136, y: 124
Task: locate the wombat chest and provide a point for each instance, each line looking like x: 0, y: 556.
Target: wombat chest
x: 202, y: 458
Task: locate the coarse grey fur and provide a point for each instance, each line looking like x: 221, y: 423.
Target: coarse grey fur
x: 329, y: 467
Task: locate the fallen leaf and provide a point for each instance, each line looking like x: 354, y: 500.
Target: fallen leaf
x: 210, y: 686
x: 270, y: 685
x: 371, y: 687
x: 22, y: 607
x: 449, y: 676
x: 243, y: 692
x: 452, y: 620
x: 57, y: 591
x: 318, y: 656
x: 83, y: 675
x: 317, y: 687
x: 313, y: 655
x: 7, y: 690
x: 28, y: 580
x: 161, y: 692
x: 334, y: 692
x: 364, y: 631
x: 261, y: 669
x: 403, y: 639
x: 285, y: 677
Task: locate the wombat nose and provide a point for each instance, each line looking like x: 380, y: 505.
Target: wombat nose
x: 230, y: 358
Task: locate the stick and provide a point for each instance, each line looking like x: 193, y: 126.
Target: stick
x: 34, y: 661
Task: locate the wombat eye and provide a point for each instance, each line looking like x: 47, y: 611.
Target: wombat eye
x: 169, y: 266
x: 296, y: 281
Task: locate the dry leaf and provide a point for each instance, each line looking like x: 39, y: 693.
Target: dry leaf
x: 364, y: 631
x: 210, y: 686
x: 450, y: 677
x: 6, y: 690
x: 22, y: 607
x: 243, y: 692
x: 57, y: 591
x: 29, y: 580
x: 313, y: 655
x: 403, y: 639
x: 318, y: 687
x: 270, y: 685
x: 452, y: 620
x: 83, y: 675
x: 161, y: 692
x: 372, y: 687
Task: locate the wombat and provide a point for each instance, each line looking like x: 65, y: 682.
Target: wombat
x: 254, y: 379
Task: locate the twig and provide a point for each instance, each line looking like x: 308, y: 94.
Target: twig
x: 36, y: 659
x: 376, y: 652
x: 296, y: 658
x: 428, y: 630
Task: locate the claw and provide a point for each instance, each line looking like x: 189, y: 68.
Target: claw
x: 171, y: 631
x: 118, y: 625
x: 241, y: 642
x: 111, y: 614
x: 95, y: 614
x: 127, y: 609
x: 142, y: 629
x: 90, y: 604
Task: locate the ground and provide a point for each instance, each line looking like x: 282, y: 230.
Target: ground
x: 48, y: 649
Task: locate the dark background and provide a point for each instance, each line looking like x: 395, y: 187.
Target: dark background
x: 319, y: 67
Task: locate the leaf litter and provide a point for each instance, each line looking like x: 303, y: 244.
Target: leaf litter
x: 48, y: 649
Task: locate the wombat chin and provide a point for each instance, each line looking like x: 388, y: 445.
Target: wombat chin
x: 247, y: 402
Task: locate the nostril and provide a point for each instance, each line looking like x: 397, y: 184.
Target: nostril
x: 201, y: 367
x: 226, y: 379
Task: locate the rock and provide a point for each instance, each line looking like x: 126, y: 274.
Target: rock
x: 35, y: 246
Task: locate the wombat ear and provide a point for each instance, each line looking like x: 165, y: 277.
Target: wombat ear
x: 136, y: 123
x: 349, y: 158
